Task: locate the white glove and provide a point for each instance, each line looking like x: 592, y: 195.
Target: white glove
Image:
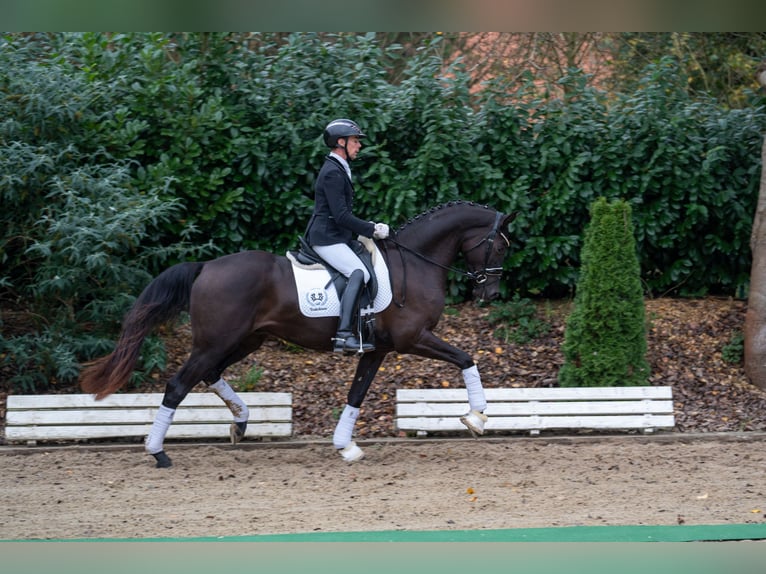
x: 381, y: 231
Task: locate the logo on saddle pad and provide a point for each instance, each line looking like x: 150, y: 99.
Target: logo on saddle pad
x: 317, y: 295
x: 317, y: 298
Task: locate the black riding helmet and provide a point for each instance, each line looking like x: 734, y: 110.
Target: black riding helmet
x: 340, y: 128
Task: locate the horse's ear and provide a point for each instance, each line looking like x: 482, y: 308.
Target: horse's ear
x: 509, y: 219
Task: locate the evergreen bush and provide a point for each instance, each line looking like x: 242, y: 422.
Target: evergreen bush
x: 605, y: 336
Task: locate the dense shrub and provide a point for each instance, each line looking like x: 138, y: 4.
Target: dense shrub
x: 76, y: 246
x: 688, y: 168
x: 605, y: 337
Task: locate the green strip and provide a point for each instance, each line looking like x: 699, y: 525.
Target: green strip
x: 568, y: 534
x: 690, y: 533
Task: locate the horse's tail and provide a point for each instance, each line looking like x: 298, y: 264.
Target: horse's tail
x: 162, y: 300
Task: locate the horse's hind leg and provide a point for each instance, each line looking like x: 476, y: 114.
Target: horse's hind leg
x: 236, y: 405
x: 194, y: 370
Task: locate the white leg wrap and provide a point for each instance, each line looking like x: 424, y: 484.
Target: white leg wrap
x: 159, y: 429
x: 476, y: 398
x: 236, y: 405
x: 341, y: 438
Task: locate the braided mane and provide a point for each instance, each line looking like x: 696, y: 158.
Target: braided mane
x: 447, y: 205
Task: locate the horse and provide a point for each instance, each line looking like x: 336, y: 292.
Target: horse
x: 238, y: 300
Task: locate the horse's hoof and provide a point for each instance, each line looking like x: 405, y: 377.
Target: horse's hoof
x: 163, y: 460
x: 237, y: 432
x: 352, y: 452
x: 474, y: 420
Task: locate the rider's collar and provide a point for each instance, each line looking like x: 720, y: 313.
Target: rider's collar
x: 342, y: 162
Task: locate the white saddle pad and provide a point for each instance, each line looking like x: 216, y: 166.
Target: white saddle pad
x: 317, y: 294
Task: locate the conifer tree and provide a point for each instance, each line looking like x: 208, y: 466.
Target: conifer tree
x: 605, y: 337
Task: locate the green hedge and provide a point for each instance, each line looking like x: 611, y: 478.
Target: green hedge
x: 689, y: 169
x: 230, y: 127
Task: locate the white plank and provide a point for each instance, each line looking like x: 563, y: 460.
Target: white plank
x: 540, y: 423
x: 537, y: 408
x: 16, y: 402
x: 85, y: 417
x: 175, y: 431
x: 539, y: 394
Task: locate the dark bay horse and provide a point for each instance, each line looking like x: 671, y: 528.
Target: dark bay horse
x: 236, y: 301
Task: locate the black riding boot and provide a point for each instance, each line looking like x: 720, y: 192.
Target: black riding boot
x: 345, y: 339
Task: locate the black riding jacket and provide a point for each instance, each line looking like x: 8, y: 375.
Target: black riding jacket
x: 333, y: 220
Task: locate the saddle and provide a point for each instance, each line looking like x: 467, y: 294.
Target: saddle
x: 305, y: 255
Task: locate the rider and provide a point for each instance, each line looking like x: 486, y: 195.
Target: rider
x: 333, y: 225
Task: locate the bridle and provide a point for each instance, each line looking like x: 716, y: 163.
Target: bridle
x: 482, y: 276
x: 478, y: 277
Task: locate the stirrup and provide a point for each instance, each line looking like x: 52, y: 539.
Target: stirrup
x: 350, y: 344
x: 339, y: 343
x: 474, y: 420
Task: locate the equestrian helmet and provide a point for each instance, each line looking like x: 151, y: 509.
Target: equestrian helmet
x: 340, y: 129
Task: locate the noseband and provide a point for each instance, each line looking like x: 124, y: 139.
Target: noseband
x: 478, y: 277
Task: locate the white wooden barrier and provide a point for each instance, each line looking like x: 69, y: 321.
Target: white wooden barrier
x: 32, y: 418
x: 536, y: 409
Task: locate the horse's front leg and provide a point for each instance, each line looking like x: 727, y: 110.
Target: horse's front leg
x: 431, y: 346
x: 237, y: 406
x: 474, y: 419
x: 365, y: 373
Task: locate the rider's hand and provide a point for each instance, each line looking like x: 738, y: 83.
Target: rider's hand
x: 381, y: 231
